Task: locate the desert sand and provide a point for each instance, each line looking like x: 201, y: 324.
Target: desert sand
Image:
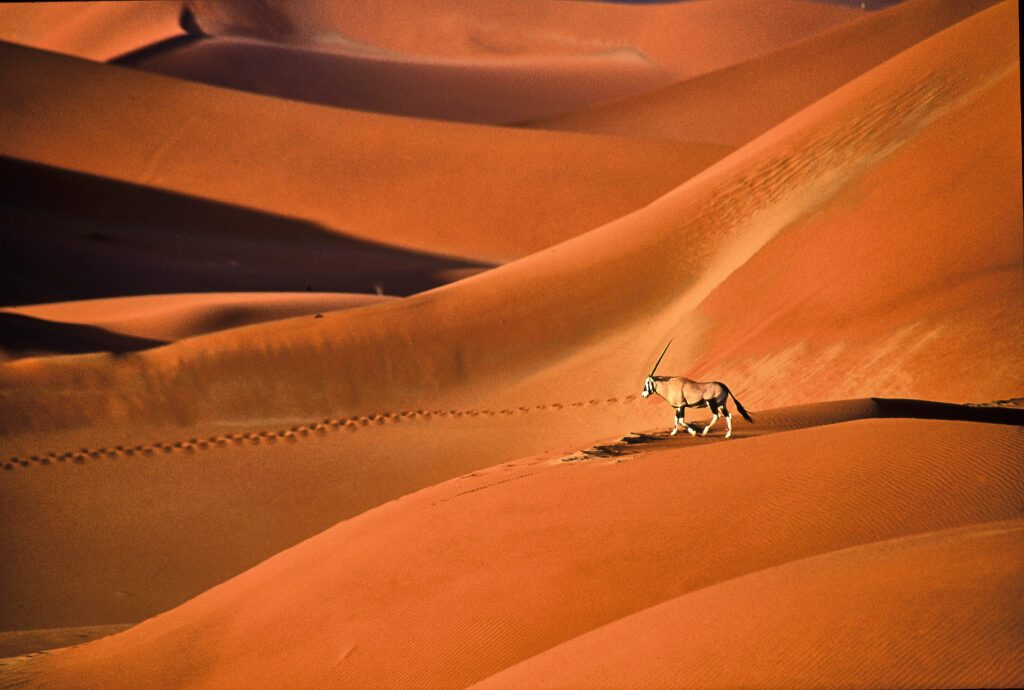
x: 302, y: 394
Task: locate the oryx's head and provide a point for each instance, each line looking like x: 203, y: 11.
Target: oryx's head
x: 649, y: 384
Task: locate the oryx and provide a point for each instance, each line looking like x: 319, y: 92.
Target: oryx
x: 682, y: 393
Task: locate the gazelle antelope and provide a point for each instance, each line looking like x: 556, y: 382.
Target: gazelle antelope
x: 682, y: 393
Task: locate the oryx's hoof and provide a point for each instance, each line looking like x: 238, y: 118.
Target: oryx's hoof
x: 705, y: 432
x: 674, y: 432
x: 728, y: 434
x: 692, y: 432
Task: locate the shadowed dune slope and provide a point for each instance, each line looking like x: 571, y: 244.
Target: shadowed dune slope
x: 734, y: 105
x: 97, y: 30
x: 492, y: 91
x: 174, y: 317
x: 368, y: 176
x: 687, y: 38
x: 938, y: 610
x: 27, y: 336
x: 129, y: 324
x: 543, y: 354
x: 459, y: 581
x: 69, y: 236
x: 29, y: 641
x: 592, y: 297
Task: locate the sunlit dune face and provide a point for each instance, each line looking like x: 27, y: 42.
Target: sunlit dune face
x: 304, y: 368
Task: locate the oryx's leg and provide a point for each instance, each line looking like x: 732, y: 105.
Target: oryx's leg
x: 681, y: 421
x: 675, y: 421
x: 728, y: 421
x: 713, y: 406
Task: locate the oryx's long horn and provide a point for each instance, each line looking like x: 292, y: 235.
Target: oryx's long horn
x: 659, y: 358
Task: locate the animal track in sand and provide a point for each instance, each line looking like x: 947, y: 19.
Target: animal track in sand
x: 292, y: 434
x: 1000, y: 411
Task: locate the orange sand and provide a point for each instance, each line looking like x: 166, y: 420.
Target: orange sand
x: 398, y: 494
x: 815, y: 621
x: 582, y: 308
x: 174, y: 317
x: 367, y: 176
x: 687, y: 38
x: 733, y: 105
x: 98, y: 30
x: 459, y: 581
x: 493, y: 91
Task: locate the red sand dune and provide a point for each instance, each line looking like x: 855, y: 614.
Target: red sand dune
x: 577, y: 325
x: 174, y: 317
x: 459, y: 581
x: 830, y: 618
x: 304, y: 501
x: 21, y: 642
x: 97, y: 30
x: 687, y: 38
x: 733, y: 105
x: 490, y: 90
x: 445, y: 188
x: 70, y: 236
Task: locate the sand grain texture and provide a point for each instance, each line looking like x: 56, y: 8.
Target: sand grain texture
x: 448, y: 479
x: 686, y: 38
x: 559, y: 329
x: 528, y: 555
x: 733, y: 105
x: 364, y: 175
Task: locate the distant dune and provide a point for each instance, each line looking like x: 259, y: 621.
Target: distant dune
x: 490, y: 62
x: 686, y: 38
x: 733, y: 105
x: 543, y: 353
x: 296, y: 394
x: 72, y: 236
x: 174, y: 317
x: 367, y: 176
x: 96, y: 30
x: 492, y: 91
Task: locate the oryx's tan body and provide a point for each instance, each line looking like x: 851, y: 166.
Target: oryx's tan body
x: 681, y: 393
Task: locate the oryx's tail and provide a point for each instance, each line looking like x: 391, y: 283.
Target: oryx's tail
x: 739, y: 407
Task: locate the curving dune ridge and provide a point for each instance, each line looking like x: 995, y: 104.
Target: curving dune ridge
x: 527, y: 555
x: 229, y: 469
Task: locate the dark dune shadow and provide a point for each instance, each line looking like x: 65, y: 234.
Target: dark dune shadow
x: 67, y: 235
x: 168, y: 45
x: 926, y: 409
x: 378, y: 82
x: 193, y: 33
x: 816, y: 414
x: 25, y: 336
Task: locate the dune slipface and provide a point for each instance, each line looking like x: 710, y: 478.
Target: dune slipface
x: 364, y: 176
x: 492, y: 91
x: 803, y: 624
x: 686, y: 38
x: 98, y: 30
x: 175, y: 317
x: 736, y: 103
x: 546, y: 353
x: 459, y: 581
x: 442, y: 490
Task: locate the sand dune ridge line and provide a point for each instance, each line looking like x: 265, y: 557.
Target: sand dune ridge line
x: 997, y: 411
x: 291, y: 434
